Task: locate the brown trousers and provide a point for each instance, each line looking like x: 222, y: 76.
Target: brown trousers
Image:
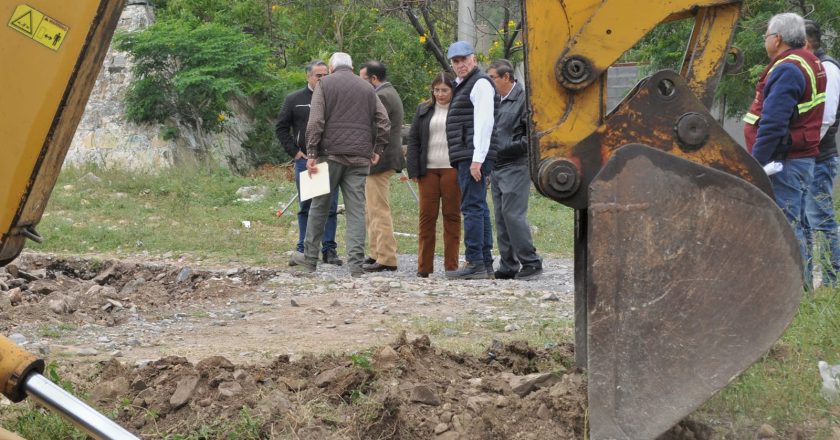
x: 439, y: 185
x: 380, y: 225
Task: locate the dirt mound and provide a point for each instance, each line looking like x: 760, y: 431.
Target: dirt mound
x: 406, y: 390
x: 74, y: 290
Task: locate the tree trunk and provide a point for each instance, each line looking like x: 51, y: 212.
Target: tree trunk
x: 466, y: 21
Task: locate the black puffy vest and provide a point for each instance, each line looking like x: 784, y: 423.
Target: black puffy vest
x: 459, y: 120
x: 828, y: 144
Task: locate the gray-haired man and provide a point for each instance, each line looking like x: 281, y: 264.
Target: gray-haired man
x: 340, y: 133
x: 511, y: 183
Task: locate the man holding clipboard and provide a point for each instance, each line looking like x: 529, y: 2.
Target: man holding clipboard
x: 341, y: 143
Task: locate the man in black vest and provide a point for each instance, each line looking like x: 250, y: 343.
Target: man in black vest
x: 472, y: 151
x: 819, y: 204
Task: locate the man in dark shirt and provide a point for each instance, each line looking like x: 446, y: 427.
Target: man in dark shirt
x: 291, y: 131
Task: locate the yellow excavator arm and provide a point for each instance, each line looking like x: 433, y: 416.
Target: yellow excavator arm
x: 686, y: 272
x: 52, y: 53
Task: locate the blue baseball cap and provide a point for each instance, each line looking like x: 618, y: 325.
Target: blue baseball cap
x: 460, y: 49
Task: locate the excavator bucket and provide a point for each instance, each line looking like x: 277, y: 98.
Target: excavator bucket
x: 692, y: 274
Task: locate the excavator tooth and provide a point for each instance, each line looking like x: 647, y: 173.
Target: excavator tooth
x: 692, y: 274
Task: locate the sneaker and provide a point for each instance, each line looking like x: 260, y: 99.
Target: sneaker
x: 303, y: 264
x: 331, y: 257
x: 502, y: 275
x: 468, y: 271
x: 529, y: 273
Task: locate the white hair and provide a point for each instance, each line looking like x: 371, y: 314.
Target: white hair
x: 790, y: 27
x: 342, y: 59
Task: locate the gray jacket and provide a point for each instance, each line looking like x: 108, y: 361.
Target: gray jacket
x: 512, y: 128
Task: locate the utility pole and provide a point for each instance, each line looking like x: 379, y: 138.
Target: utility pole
x: 466, y: 21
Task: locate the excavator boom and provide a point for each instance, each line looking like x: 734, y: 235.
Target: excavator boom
x: 686, y: 272
x: 52, y: 53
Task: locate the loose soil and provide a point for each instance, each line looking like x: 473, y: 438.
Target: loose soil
x: 172, y: 349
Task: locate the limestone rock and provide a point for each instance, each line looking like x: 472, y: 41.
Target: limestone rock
x: 524, y: 385
x: 184, y: 391
x: 425, y: 395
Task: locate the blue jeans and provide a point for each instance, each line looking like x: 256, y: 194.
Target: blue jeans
x: 478, y: 231
x: 328, y: 243
x: 789, y: 187
x: 819, y: 217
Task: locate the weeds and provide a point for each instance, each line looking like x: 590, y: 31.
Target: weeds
x: 196, y: 213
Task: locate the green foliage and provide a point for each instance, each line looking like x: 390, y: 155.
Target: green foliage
x: 189, y: 72
x: 361, y: 360
x: 663, y: 47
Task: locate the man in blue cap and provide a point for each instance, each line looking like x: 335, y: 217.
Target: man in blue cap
x: 472, y: 151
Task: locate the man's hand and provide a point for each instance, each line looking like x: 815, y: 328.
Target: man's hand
x: 311, y: 166
x: 475, y: 171
x: 299, y: 155
x: 374, y: 159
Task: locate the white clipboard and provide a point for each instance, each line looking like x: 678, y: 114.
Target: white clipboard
x: 316, y: 184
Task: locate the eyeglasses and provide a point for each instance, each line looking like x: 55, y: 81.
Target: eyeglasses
x: 321, y: 75
x: 770, y: 35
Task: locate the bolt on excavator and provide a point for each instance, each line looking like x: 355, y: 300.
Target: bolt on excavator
x: 686, y: 272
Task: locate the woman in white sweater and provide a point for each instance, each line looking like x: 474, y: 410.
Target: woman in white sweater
x: 427, y: 161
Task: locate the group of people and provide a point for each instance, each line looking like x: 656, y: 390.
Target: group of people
x: 793, y: 120
x: 473, y: 126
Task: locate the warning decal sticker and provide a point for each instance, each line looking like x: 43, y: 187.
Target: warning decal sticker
x: 37, y: 26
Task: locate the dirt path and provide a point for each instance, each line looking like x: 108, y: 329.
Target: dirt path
x: 243, y: 352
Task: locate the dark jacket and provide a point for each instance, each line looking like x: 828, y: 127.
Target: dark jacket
x: 392, y: 157
x: 346, y: 118
x: 291, y: 123
x: 512, y: 129
x: 418, y: 140
x: 460, y: 122
x: 828, y: 144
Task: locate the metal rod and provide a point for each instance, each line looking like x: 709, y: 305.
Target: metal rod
x: 280, y: 213
x: 79, y: 413
x: 408, y: 182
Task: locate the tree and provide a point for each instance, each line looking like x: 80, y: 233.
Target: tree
x: 187, y: 73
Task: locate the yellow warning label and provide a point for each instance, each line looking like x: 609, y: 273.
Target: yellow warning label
x: 38, y: 26
x: 50, y: 33
x: 25, y: 20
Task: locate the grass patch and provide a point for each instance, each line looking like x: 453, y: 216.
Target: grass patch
x: 196, y: 212
x: 55, y: 330
x: 783, y: 388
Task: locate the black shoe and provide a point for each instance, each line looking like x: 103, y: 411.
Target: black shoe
x: 331, y: 257
x: 490, y: 273
x: 369, y: 260
x: 376, y: 267
x: 529, y: 273
x: 468, y: 271
x: 423, y: 274
x: 502, y: 275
